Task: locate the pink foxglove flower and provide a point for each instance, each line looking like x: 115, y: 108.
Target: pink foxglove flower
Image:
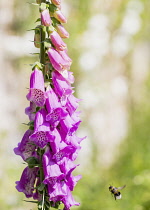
x: 65, y: 56
x: 50, y: 145
x: 57, y: 41
x: 62, y: 31
x: 61, y: 87
x: 42, y: 134
x: 27, y: 181
x: 37, y: 92
x: 25, y: 148
x: 30, y: 111
x: 52, y: 171
x: 55, y: 110
x: 60, y: 17
x: 57, y: 61
x: 45, y: 18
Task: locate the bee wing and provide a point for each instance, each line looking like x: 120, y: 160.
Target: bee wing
x: 120, y: 188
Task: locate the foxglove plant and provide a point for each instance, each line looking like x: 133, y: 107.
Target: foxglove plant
x: 50, y: 144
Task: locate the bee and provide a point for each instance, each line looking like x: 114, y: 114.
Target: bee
x: 115, y: 191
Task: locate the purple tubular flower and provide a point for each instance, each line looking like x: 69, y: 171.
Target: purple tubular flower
x: 42, y: 134
x: 57, y: 192
x: 72, y: 181
x: 57, y: 41
x: 67, y: 166
x: 62, y: 31
x: 55, y: 110
x: 37, y: 93
x: 27, y: 181
x: 52, y: 146
x: 55, y: 145
x: 60, y: 17
x: 66, y: 151
x: 72, y: 104
x: 68, y: 200
x: 61, y: 87
x: 30, y: 111
x: 45, y: 18
x: 68, y: 76
x: 57, y: 61
x: 65, y: 56
x: 68, y: 126
x: 52, y: 171
x: 25, y: 148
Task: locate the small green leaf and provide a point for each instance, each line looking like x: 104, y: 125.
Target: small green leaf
x: 32, y: 161
x: 52, y: 8
x: 41, y: 187
x: 31, y: 201
x: 38, y: 65
x: 32, y: 29
x: 55, y: 21
x: 38, y: 20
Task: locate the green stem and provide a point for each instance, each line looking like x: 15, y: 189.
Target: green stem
x: 42, y: 48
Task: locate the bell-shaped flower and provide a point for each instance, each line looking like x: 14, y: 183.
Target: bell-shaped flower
x: 57, y: 41
x: 55, y: 145
x: 57, y: 192
x: 68, y: 126
x: 64, y: 151
x: 62, y: 31
x: 27, y: 181
x: 25, y: 148
x: 68, y: 200
x: 57, y: 60
x: 65, y: 56
x: 42, y: 134
x: 52, y: 172
x: 75, y: 142
x: 68, y: 76
x: 61, y: 87
x: 45, y: 18
x: 67, y: 166
x: 59, y: 16
x: 72, y: 104
x: 72, y: 181
x: 55, y: 111
x: 30, y: 111
x: 37, y: 92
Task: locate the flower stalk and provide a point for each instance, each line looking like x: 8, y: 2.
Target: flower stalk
x: 50, y: 145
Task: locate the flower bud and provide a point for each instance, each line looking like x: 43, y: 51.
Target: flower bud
x: 37, y: 37
x: 45, y: 18
x: 57, y: 41
x: 57, y: 61
x: 60, y: 17
x: 62, y: 31
x: 65, y: 56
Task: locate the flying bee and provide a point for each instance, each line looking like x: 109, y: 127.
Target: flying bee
x: 115, y: 191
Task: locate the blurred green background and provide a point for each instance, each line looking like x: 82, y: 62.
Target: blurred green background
x: 110, y: 47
